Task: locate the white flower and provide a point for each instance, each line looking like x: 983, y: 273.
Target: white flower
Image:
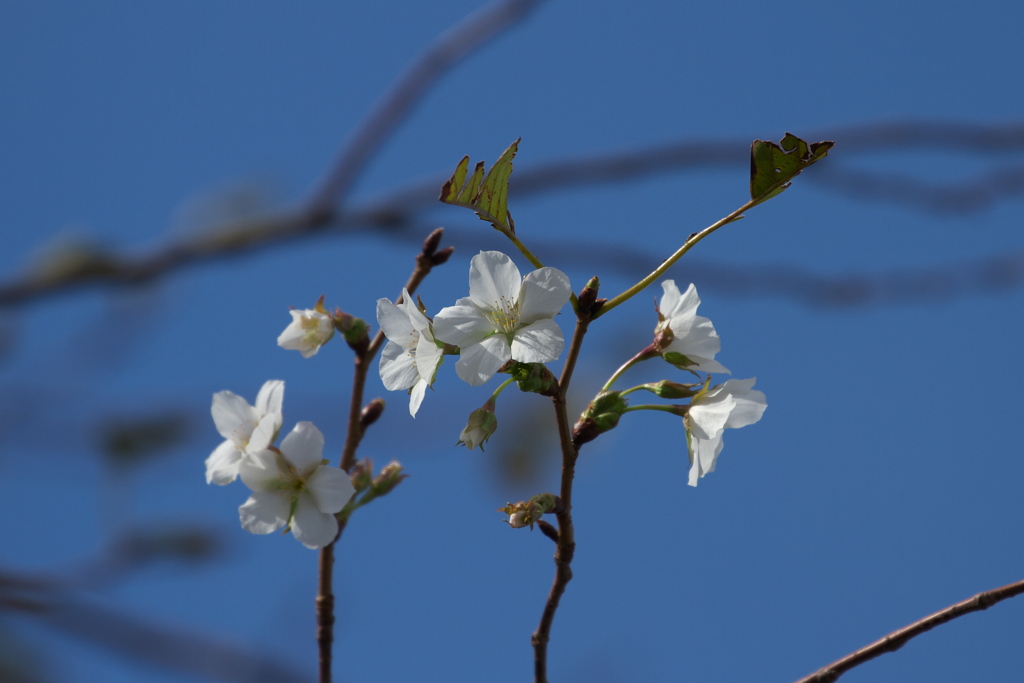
x: 245, y: 429
x: 410, y: 359
x: 309, y: 330
x: 294, y: 487
x: 730, y: 405
x: 504, y: 317
x: 691, y: 335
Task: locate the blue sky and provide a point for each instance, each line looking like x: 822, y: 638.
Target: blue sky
x: 882, y: 484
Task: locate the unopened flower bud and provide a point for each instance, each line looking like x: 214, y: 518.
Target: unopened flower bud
x: 388, y: 478
x: 667, y: 389
x: 528, y: 512
x: 433, y: 239
x: 601, y: 415
x: 588, y: 301
x: 442, y: 256
x: 362, y: 475
x: 481, y: 424
x: 371, y: 412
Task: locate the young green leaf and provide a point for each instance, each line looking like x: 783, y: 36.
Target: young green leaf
x: 486, y: 194
x: 773, y: 166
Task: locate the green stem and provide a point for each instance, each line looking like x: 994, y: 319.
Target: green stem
x: 667, y: 263
x: 653, y: 406
x: 643, y: 355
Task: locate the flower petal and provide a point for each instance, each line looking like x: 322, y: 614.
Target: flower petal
x: 222, y: 465
x: 397, y: 367
x: 462, y: 324
x: 394, y: 321
x: 312, y: 528
x: 750, y: 403
x: 264, y: 434
x: 416, y: 395
x: 676, y: 305
x: 233, y: 416
x: 493, y: 277
x: 330, y: 488
x: 479, y: 362
x: 538, y: 343
x: 428, y: 357
x: 260, y: 471
x: 264, y: 512
x: 543, y: 294
x: 304, y: 447
x: 708, y: 415
x: 271, y: 398
x: 703, y: 457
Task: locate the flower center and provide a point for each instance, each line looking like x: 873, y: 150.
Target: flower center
x: 504, y: 315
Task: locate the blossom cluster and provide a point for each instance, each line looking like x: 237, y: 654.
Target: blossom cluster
x: 688, y: 340
x: 505, y: 324
x: 505, y: 317
x: 292, y: 486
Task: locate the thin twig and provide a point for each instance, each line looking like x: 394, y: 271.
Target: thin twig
x: 401, y: 207
x: 425, y: 262
x: 565, y: 543
x: 448, y: 49
x: 900, y: 637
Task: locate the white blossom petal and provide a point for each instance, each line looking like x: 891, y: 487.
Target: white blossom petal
x: 732, y: 404
x: 222, y: 465
x: 707, y: 419
x: 260, y: 471
x: 544, y: 293
x: 676, y: 305
x: 330, y: 489
x: 478, y: 362
x: 493, y: 277
x: 304, y: 448
x: 265, y: 433
x: 462, y: 324
x: 539, y: 342
x: 428, y: 357
x: 416, y: 394
x: 233, y: 416
x: 394, y: 321
x: 270, y: 399
x: 692, y: 335
x: 264, y: 512
x: 750, y: 403
x: 312, y: 528
x: 704, y: 456
x: 397, y: 367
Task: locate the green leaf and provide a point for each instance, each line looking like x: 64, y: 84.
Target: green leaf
x: 486, y: 194
x: 773, y: 166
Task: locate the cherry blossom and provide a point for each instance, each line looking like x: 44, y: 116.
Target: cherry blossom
x: 726, y: 406
x: 293, y: 487
x: 504, y: 317
x: 245, y: 428
x: 681, y: 331
x: 309, y: 330
x: 411, y: 357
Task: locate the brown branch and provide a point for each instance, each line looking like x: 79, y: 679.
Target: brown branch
x: 193, y: 655
x: 900, y: 637
x: 428, y: 257
x: 565, y: 541
x: 401, y: 207
x: 447, y: 50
